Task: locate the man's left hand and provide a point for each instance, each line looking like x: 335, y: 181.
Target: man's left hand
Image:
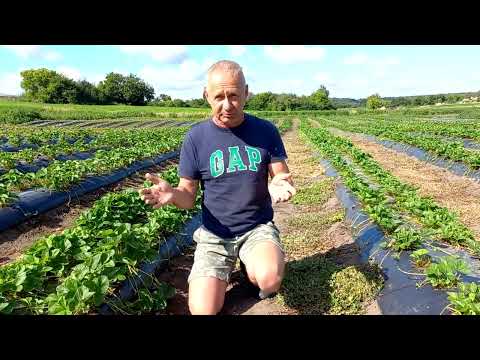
x: 280, y: 188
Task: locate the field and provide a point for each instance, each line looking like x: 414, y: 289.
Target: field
x: 386, y: 219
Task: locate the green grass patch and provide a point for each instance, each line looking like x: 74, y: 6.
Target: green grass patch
x: 316, y: 285
x: 317, y: 193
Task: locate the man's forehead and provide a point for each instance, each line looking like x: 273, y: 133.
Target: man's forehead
x: 225, y: 79
x: 228, y: 87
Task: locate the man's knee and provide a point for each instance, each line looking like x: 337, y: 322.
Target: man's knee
x: 206, y: 295
x: 269, y: 278
x: 203, y: 307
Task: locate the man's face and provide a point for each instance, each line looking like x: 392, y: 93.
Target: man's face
x: 226, y: 94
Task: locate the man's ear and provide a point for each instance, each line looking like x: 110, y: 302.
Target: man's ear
x: 205, y: 94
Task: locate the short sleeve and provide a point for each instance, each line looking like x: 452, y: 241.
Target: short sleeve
x: 277, y: 149
x: 188, y: 166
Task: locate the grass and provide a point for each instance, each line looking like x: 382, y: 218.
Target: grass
x: 306, y: 233
x: 93, y: 112
x: 316, y: 285
x: 316, y: 193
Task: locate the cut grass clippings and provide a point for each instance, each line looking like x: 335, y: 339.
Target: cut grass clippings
x: 316, y: 285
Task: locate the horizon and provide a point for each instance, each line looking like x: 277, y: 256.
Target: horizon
x: 353, y: 72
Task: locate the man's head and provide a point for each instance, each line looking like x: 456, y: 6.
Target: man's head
x: 226, y: 92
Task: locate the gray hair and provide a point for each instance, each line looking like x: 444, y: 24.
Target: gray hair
x: 226, y: 66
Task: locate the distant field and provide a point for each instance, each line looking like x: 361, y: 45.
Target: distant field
x: 93, y: 112
x: 11, y: 111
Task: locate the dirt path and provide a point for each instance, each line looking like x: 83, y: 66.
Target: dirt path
x: 315, y: 238
x: 13, y: 241
x: 457, y: 193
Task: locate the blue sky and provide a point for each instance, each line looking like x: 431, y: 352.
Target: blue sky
x: 353, y: 71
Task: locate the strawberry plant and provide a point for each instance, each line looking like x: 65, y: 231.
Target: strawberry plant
x: 446, y: 273
x: 72, y: 272
x: 466, y: 301
x: 421, y: 258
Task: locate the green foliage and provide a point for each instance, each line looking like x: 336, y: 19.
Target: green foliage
x: 47, y: 86
x: 73, y: 272
x: 405, y: 239
x: 19, y: 116
x: 421, y: 258
x: 446, y: 273
x: 269, y: 101
x: 117, y: 88
x: 466, y: 301
x: 374, y: 102
x: 320, y: 98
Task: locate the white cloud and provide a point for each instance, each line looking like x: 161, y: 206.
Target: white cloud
x: 96, y: 78
x: 183, y: 81
x: 356, y: 59
x: 10, y: 84
x: 170, y: 54
x: 23, y: 51
x: 69, y: 72
x: 364, y: 59
x: 237, y: 50
x: 26, y: 51
x: 289, y: 54
x: 286, y: 86
x: 52, y: 56
x: 322, y: 77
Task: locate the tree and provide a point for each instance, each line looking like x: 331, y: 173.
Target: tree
x: 431, y: 100
x: 179, y: 103
x: 136, y: 92
x: 374, y: 102
x: 320, y: 99
x: 260, y: 101
x: 121, y: 89
x: 163, y: 97
x: 198, y: 103
x: 43, y: 85
x: 111, y: 89
x: 87, y: 93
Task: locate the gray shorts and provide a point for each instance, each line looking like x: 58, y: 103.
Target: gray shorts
x: 217, y: 257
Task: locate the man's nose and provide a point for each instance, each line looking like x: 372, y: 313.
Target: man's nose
x: 226, y: 103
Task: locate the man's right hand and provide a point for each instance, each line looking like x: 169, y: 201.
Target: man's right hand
x: 158, y: 195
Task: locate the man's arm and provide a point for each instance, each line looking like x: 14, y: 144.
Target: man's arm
x: 281, y: 188
x: 162, y: 193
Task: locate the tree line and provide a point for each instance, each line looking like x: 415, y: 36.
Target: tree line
x: 48, y: 86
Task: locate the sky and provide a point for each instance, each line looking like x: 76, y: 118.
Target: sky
x: 349, y: 71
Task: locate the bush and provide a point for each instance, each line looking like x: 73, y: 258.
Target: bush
x: 19, y: 116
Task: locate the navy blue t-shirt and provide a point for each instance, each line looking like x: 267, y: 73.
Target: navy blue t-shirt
x: 232, y: 166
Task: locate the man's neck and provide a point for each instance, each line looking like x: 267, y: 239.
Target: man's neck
x: 224, y: 126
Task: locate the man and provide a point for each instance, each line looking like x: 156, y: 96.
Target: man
x: 231, y: 155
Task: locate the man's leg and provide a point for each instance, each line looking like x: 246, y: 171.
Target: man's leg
x: 206, y: 295
x: 264, y: 258
x: 214, y: 261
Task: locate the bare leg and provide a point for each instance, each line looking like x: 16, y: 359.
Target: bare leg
x: 206, y: 295
x: 265, y: 267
